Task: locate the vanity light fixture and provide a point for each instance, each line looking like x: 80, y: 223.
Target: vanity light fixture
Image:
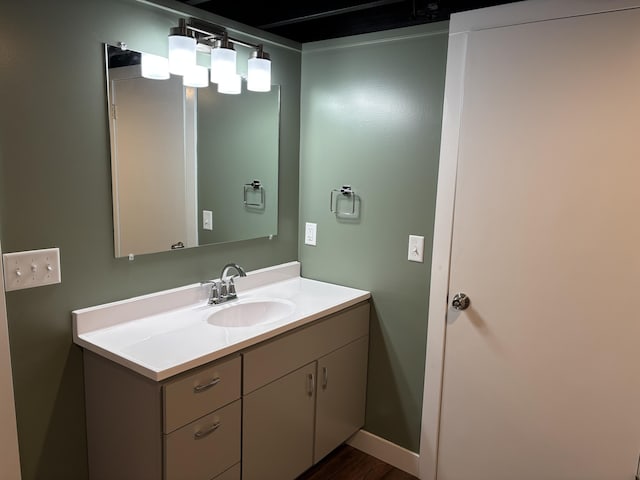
x: 259, y: 71
x: 154, y: 67
x: 230, y: 84
x: 196, y: 76
x: 182, y: 48
x: 193, y: 35
x: 223, y: 61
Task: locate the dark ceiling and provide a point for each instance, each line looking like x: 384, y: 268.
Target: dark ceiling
x: 308, y: 21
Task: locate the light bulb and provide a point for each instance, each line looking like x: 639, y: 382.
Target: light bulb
x: 259, y: 75
x: 197, y: 76
x: 154, y: 67
x: 230, y: 85
x: 182, y: 53
x: 223, y: 63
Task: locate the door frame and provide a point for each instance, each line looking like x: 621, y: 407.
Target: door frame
x: 461, y: 25
x: 10, y: 456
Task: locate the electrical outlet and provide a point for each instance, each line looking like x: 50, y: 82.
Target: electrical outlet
x: 32, y: 268
x: 416, y: 248
x: 310, y: 231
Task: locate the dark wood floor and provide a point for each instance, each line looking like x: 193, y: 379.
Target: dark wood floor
x: 348, y: 463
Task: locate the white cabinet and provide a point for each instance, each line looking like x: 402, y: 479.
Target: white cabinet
x: 304, y: 394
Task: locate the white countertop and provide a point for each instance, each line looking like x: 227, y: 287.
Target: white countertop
x: 166, y: 333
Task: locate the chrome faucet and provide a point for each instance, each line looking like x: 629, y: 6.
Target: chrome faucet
x: 227, y: 284
x: 225, y: 288
x: 236, y: 267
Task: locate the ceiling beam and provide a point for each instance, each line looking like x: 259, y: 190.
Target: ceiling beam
x: 329, y: 13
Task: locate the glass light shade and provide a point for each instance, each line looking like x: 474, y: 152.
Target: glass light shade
x: 197, y: 76
x: 223, y: 64
x: 231, y: 85
x: 154, y: 67
x: 182, y: 53
x: 259, y: 75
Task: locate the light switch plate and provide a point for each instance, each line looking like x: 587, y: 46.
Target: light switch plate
x: 416, y: 248
x: 32, y: 268
x: 207, y: 220
x: 310, y: 231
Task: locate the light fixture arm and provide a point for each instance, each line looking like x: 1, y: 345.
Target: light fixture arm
x: 182, y: 29
x: 209, y: 33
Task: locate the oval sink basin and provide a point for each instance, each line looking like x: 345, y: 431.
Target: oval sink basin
x: 249, y: 313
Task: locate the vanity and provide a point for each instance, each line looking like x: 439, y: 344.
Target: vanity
x: 258, y: 388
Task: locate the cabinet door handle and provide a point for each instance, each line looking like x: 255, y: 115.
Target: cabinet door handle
x: 207, y: 431
x: 325, y: 377
x: 206, y: 386
x: 311, y: 384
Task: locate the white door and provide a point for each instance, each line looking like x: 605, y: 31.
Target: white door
x: 542, y: 372
x: 152, y: 186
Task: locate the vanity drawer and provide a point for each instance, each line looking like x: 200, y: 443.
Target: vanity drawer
x: 275, y: 358
x: 190, y: 397
x: 204, y: 448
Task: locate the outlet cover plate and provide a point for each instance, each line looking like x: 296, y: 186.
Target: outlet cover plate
x: 310, y: 232
x: 32, y: 268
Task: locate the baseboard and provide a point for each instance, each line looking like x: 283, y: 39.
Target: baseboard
x: 386, y: 451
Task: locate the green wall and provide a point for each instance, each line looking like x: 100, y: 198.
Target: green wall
x: 371, y: 117
x: 237, y: 142
x: 55, y: 190
x: 371, y: 110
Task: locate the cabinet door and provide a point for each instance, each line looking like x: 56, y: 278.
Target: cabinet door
x: 341, y: 397
x: 277, y: 440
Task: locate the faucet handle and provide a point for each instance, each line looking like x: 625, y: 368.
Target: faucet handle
x: 214, y: 296
x: 232, y: 288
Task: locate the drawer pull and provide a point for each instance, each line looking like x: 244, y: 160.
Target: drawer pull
x: 203, y: 433
x: 207, y: 386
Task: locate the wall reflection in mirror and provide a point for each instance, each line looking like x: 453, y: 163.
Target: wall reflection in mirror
x: 190, y: 166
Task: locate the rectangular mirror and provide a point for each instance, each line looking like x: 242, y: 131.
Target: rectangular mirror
x: 189, y: 166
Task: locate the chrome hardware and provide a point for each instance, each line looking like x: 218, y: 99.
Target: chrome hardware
x: 325, y: 377
x: 346, y: 191
x: 311, y: 384
x: 350, y: 196
x: 236, y: 267
x: 224, y: 289
x: 232, y: 288
x: 460, y: 301
x: 227, y: 284
x: 254, y: 186
x: 206, y: 386
x: 203, y: 433
x: 214, y: 295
